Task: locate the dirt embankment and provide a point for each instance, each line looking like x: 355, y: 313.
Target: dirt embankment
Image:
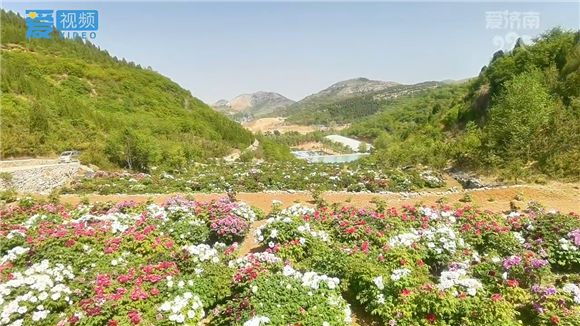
x: 272, y: 124
x: 560, y: 197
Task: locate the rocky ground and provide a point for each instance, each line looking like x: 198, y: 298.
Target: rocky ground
x: 37, y: 176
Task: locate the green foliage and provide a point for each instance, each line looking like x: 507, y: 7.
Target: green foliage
x: 8, y: 195
x: 63, y: 94
x: 271, y: 150
x: 362, y: 147
x: 519, y: 117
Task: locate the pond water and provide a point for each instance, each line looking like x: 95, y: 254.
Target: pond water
x: 316, y: 157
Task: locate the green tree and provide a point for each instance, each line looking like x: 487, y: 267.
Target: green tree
x: 362, y: 147
x: 518, y: 122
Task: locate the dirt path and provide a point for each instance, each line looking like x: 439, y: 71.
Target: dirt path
x: 271, y: 124
x: 564, y: 198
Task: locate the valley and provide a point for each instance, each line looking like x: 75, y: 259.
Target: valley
x: 369, y: 202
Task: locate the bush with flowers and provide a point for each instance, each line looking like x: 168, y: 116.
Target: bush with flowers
x: 288, y: 297
x: 247, y: 177
x: 437, y: 265
x: 108, y: 264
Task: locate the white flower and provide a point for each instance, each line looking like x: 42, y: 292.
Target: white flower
x: 399, y: 273
x: 380, y: 298
x: 379, y: 282
x: 166, y: 306
x: 257, y: 321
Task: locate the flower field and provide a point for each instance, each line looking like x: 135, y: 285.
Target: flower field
x: 179, y: 263
x: 218, y: 178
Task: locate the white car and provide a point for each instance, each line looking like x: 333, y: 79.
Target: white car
x: 69, y: 156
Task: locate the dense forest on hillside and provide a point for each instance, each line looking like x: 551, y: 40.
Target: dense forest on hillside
x: 67, y: 94
x: 520, y: 116
x: 340, y: 112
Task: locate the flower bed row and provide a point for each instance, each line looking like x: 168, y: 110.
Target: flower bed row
x: 256, y: 178
x: 177, y: 264
x: 438, y: 265
x: 144, y: 264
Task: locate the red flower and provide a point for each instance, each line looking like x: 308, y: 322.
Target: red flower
x: 134, y: 316
x: 420, y: 263
x: 403, y: 262
x: 555, y: 319
x: 512, y: 283
x: 496, y: 296
x: 154, y: 291
x: 406, y: 292
x: 113, y: 323
x: 431, y: 318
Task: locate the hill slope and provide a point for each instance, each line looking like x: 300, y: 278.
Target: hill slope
x: 338, y: 91
x: 64, y: 94
x: 256, y: 104
x: 519, y: 117
x: 355, y: 107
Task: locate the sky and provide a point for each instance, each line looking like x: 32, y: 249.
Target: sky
x: 221, y: 50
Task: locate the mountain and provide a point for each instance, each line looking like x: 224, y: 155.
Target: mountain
x: 221, y: 102
x: 61, y: 94
x: 341, y: 90
x: 348, y: 88
x: 457, y: 82
x: 256, y: 104
x: 344, y: 109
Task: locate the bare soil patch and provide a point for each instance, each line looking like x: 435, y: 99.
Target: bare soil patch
x: 564, y: 198
x: 315, y: 146
x: 271, y: 124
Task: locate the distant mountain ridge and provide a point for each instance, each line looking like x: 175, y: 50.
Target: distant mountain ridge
x: 271, y: 104
x: 255, y: 104
x: 351, y: 87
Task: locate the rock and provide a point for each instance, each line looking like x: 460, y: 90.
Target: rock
x: 467, y: 181
x: 41, y: 179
